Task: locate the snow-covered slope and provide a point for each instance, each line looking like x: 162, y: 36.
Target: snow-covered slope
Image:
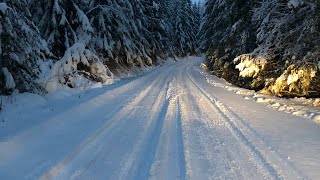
x: 169, y: 124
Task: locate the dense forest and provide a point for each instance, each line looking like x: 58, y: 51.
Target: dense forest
x: 268, y: 45
x: 69, y: 41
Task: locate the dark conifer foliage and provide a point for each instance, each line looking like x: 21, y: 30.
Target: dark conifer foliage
x: 71, y: 39
x: 21, y: 49
x: 264, y: 44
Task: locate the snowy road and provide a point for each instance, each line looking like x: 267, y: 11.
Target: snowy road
x: 168, y: 124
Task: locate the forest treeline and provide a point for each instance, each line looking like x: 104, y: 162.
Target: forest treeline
x: 71, y: 40
x: 268, y: 45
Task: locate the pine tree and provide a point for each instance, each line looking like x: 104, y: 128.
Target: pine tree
x: 226, y: 33
x: 62, y: 23
x: 157, y: 28
x: 21, y: 49
x: 81, y: 39
x: 288, y: 39
x: 184, y: 31
x: 265, y: 44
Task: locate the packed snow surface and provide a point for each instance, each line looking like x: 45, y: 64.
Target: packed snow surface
x: 167, y: 124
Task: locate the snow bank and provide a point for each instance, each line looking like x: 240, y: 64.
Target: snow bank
x: 77, y: 68
x: 302, y: 107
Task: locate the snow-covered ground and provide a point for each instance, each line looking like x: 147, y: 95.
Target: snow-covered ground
x: 309, y: 108
x: 168, y: 124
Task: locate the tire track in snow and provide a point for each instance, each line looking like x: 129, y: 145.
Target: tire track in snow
x: 175, y: 96
x: 190, y: 140
x: 169, y: 160
x: 77, y: 115
x: 107, y: 96
x: 90, y: 141
x: 136, y: 113
x: 273, y: 164
x: 181, y: 163
x: 118, y: 114
x: 206, y: 157
x: 204, y: 129
x: 107, y: 152
x: 239, y: 135
x: 143, y: 167
x: 154, y: 127
x: 137, y: 163
x: 201, y: 140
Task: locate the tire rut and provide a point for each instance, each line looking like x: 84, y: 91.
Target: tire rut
x: 117, y: 115
x: 254, y: 146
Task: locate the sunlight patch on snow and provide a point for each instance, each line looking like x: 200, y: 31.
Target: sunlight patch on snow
x: 302, y: 107
x: 249, y: 66
x: 294, y: 80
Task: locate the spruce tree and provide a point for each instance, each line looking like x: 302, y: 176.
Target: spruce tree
x: 22, y: 50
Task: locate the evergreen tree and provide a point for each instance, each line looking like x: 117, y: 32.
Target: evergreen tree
x: 81, y: 39
x: 21, y: 49
x: 288, y: 38
x: 62, y: 23
x: 157, y: 27
x: 184, y: 31
x: 265, y: 44
x: 227, y: 32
